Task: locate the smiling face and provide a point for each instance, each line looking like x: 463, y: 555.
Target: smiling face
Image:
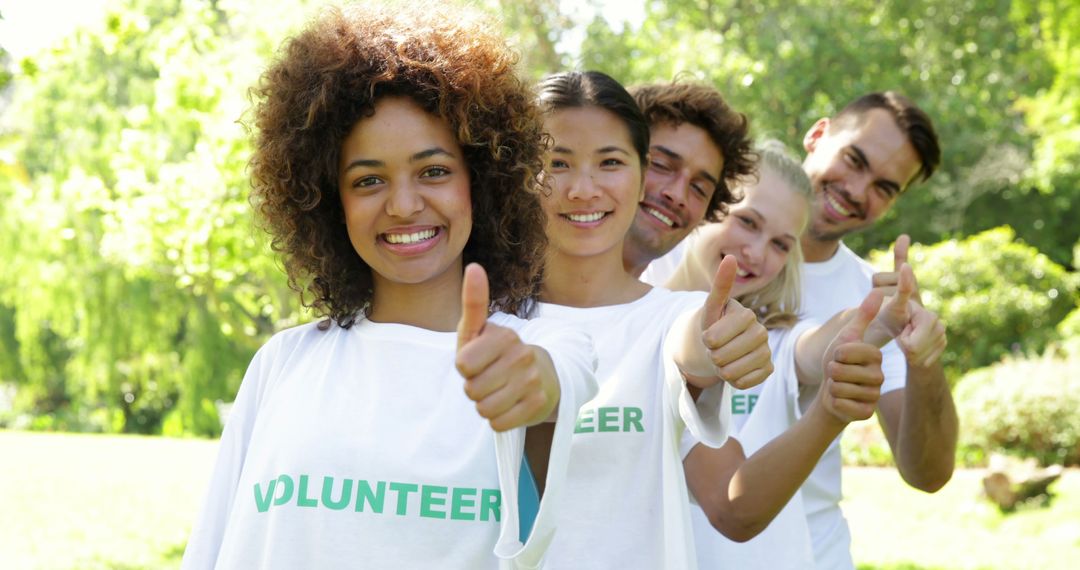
x: 684, y: 168
x: 760, y: 232
x: 595, y: 179
x: 404, y: 190
x: 857, y: 168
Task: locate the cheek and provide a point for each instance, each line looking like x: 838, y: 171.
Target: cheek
x: 458, y: 209
x: 776, y: 264
x: 654, y: 182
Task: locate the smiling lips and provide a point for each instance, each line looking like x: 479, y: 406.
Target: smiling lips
x: 585, y: 219
x: 414, y: 237
x: 836, y: 207
x: 410, y: 241
x: 658, y: 215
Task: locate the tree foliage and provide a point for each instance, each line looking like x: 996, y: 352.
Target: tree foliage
x: 136, y: 281
x: 137, y: 287
x: 996, y: 296
x: 981, y: 69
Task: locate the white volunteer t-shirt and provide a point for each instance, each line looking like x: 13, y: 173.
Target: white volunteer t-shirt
x: 759, y: 415
x: 828, y: 288
x: 359, y: 449
x: 661, y: 269
x: 626, y: 501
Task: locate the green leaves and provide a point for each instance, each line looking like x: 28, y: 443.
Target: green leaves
x: 132, y: 243
x: 997, y: 296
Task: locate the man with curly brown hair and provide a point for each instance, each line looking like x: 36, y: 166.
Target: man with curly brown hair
x: 699, y: 146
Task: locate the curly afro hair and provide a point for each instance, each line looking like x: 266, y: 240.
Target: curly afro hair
x: 702, y: 106
x: 328, y: 77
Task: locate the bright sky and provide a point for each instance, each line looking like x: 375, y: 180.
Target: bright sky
x: 31, y: 25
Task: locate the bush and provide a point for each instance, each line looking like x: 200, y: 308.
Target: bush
x: 996, y: 295
x: 1069, y: 331
x: 1028, y: 407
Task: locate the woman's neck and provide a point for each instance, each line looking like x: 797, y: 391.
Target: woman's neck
x: 593, y: 281
x: 434, y: 304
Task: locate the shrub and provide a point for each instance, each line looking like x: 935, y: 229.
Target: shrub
x: 1028, y: 407
x: 1069, y: 331
x: 996, y: 295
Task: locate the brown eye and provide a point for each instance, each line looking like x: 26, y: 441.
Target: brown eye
x: 366, y: 181
x: 434, y: 172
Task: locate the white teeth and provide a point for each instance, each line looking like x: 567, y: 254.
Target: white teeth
x: 740, y: 272
x: 585, y: 217
x: 670, y: 223
x: 411, y: 238
x: 836, y: 206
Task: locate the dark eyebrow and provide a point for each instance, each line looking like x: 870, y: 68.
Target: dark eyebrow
x: 860, y: 158
x: 562, y: 150
x: 612, y: 148
x: 667, y: 151
x: 430, y: 153
x: 676, y: 156
x: 372, y: 163
x: 364, y: 162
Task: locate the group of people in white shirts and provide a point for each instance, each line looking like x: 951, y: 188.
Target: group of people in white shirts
x: 567, y: 325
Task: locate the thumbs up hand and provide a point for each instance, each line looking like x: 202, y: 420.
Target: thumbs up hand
x: 923, y: 340
x: 853, y: 374
x: 896, y: 310
x: 888, y: 281
x: 737, y: 344
x: 918, y: 331
x: 512, y: 383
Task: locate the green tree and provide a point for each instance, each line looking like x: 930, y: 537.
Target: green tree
x: 968, y: 63
x: 138, y: 283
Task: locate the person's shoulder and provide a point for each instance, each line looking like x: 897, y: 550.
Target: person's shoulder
x: 857, y: 260
x: 301, y: 334
x: 534, y: 326
x: 844, y: 264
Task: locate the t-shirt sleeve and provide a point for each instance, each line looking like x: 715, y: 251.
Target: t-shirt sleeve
x: 894, y: 367
x: 574, y: 358
x: 777, y: 406
x: 709, y: 417
x: 209, y: 528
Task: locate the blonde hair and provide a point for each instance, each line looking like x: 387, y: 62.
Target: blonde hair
x: 777, y: 303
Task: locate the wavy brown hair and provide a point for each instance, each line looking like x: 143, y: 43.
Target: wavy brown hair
x: 702, y: 106
x: 328, y: 77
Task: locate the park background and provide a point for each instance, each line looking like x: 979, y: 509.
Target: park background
x: 135, y: 287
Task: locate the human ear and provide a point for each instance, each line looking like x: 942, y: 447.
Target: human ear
x: 815, y: 133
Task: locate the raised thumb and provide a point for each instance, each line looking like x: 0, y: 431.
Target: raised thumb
x: 854, y: 330
x: 475, y: 301
x: 721, y: 290
x: 900, y: 251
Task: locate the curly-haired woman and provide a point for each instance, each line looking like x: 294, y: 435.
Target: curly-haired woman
x: 393, y: 148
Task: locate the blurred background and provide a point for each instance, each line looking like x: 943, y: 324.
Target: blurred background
x: 135, y: 287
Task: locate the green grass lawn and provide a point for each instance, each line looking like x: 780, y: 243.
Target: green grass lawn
x: 95, y: 502
x: 896, y: 527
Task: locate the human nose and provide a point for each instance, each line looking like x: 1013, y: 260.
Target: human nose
x: 754, y: 252
x: 677, y: 190
x: 404, y: 201
x: 583, y: 187
x: 859, y: 192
